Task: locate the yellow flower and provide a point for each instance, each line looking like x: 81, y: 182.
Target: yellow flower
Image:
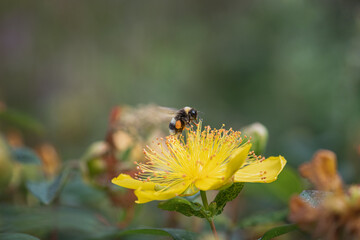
x: 202, y: 160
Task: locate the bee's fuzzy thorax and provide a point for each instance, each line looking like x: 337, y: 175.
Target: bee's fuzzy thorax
x: 187, y: 109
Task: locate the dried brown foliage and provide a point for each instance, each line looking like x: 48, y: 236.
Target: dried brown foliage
x: 338, y: 215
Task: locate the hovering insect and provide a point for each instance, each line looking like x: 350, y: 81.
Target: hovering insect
x: 182, y: 117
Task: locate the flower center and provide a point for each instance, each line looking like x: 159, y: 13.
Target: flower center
x: 198, y: 154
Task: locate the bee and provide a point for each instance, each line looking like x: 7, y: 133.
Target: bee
x: 182, y: 118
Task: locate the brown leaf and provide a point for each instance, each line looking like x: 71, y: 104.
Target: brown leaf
x: 302, y: 213
x: 322, y: 171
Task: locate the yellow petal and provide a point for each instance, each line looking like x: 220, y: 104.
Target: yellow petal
x: 261, y: 171
x: 142, y: 196
x: 126, y: 181
x: 209, y: 183
x: 237, y: 159
x: 147, y: 195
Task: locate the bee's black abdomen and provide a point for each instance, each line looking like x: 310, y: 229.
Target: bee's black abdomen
x: 172, y: 124
x: 172, y: 128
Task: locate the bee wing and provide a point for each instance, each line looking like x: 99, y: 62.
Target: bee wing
x: 156, y: 114
x: 171, y: 112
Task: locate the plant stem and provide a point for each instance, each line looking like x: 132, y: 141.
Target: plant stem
x: 204, y: 199
x: 210, y: 220
x: 212, y: 225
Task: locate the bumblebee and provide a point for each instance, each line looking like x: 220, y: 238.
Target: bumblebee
x: 183, y: 117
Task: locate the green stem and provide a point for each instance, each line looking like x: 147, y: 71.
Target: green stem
x: 210, y: 220
x: 204, y: 199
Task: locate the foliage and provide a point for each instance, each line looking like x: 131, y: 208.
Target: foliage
x: 277, y: 231
x: 183, y: 206
x: 17, y: 236
x: 225, y: 196
x: 176, y: 234
x: 264, y: 218
x: 25, y: 155
x: 46, y: 192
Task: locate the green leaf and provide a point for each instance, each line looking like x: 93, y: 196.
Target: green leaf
x: 176, y: 234
x: 277, y: 231
x: 314, y: 197
x: 265, y: 218
x: 17, y: 236
x: 25, y: 155
x: 15, y: 119
x: 45, y: 191
x: 66, y: 220
x: 225, y: 196
x: 183, y: 206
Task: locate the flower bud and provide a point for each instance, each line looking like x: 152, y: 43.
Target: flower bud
x: 96, y: 150
x: 91, y: 163
x: 259, y: 136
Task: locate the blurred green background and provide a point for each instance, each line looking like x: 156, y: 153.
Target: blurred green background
x: 292, y: 65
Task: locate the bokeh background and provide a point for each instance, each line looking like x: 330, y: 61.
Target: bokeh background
x: 294, y: 66
x: 291, y: 65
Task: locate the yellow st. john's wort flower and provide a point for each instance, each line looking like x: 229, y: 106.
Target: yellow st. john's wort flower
x: 204, y: 160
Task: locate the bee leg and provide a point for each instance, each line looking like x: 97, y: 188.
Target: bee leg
x: 195, y: 122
